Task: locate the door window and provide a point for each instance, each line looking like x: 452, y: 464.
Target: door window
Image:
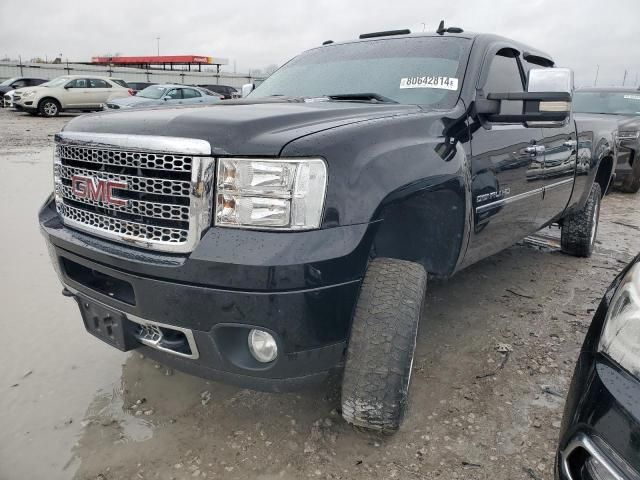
x: 98, y: 83
x: 175, y: 94
x: 78, y: 83
x: 190, y: 93
x: 504, y: 77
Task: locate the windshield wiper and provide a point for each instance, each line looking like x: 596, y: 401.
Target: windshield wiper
x: 361, y: 97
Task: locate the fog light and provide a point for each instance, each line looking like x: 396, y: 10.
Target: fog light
x: 262, y: 346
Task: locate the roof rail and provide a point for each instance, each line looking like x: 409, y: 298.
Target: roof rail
x: 441, y: 30
x: 388, y: 33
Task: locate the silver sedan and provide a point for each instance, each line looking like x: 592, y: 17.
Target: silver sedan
x: 165, y: 95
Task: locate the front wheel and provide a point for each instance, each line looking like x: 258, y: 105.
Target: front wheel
x: 49, y: 107
x: 579, y: 230
x: 375, y: 386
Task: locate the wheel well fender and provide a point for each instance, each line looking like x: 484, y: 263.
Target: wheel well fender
x: 49, y: 98
x: 604, y: 174
x: 426, y: 223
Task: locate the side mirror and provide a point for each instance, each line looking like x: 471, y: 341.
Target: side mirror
x: 546, y: 103
x: 247, y: 88
x: 165, y: 98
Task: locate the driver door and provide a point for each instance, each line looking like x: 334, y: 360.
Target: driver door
x: 507, y: 164
x: 77, y: 93
x: 174, y: 96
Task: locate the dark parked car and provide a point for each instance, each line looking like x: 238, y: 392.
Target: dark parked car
x: 138, y: 86
x: 224, y: 90
x: 18, y: 82
x: 621, y: 108
x: 600, y: 433
x: 269, y: 240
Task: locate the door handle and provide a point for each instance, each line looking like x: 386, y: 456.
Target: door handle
x: 535, y: 149
x: 570, y: 144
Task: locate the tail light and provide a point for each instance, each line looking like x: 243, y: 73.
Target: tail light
x: 131, y: 91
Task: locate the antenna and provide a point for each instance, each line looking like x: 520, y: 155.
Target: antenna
x: 441, y: 30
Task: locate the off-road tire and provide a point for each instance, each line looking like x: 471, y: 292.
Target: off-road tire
x: 49, y: 107
x: 377, y: 371
x: 579, y: 230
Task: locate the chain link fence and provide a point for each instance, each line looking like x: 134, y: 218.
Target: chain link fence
x: 49, y: 71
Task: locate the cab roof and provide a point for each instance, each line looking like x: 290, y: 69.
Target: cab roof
x: 481, y: 40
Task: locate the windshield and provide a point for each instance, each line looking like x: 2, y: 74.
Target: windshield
x: 154, y: 92
x: 56, y: 82
x: 8, y: 82
x: 614, y: 103
x: 417, y: 70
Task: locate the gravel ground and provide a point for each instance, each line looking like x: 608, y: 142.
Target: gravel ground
x: 496, y: 350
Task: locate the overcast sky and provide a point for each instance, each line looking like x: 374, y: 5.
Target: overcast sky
x: 255, y: 33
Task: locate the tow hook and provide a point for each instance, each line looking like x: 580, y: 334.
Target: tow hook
x: 67, y: 293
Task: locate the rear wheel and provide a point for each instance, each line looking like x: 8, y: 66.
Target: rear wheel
x: 49, y: 107
x: 579, y: 230
x: 377, y: 372
x: 632, y: 182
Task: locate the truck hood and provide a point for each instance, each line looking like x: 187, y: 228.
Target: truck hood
x: 239, y: 127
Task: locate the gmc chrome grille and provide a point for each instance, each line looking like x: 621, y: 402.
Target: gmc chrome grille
x: 135, y: 183
x: 155, y: 161
x: 151, y: 192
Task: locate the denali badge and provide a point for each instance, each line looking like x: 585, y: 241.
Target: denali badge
x: 493, y: 195
x: 97, y: 189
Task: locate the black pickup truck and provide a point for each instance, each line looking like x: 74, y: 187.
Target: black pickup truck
x: 269, y: 240
x: 616, y: 109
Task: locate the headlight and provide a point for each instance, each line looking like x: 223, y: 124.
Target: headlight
x: 621, y: 332
x: 28, y: 94
x: 275, y: 194
x: 628, y: 135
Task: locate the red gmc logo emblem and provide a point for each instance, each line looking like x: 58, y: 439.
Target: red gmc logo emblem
x: 97, y: 189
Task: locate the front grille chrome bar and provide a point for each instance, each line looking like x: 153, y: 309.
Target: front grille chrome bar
x: 167, y: 201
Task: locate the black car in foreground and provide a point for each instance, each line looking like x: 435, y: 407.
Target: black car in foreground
x: 620, y: 108
x: 600, y: 433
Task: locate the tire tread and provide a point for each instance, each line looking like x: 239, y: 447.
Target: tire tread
x: 382, y: 344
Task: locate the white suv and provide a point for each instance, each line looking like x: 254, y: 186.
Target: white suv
x: 71, y: 92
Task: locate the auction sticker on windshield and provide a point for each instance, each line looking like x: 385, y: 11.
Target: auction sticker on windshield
x: 429, y: 81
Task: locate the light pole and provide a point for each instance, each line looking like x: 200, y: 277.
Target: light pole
x: 158, y: 40
x: 597, y: 72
